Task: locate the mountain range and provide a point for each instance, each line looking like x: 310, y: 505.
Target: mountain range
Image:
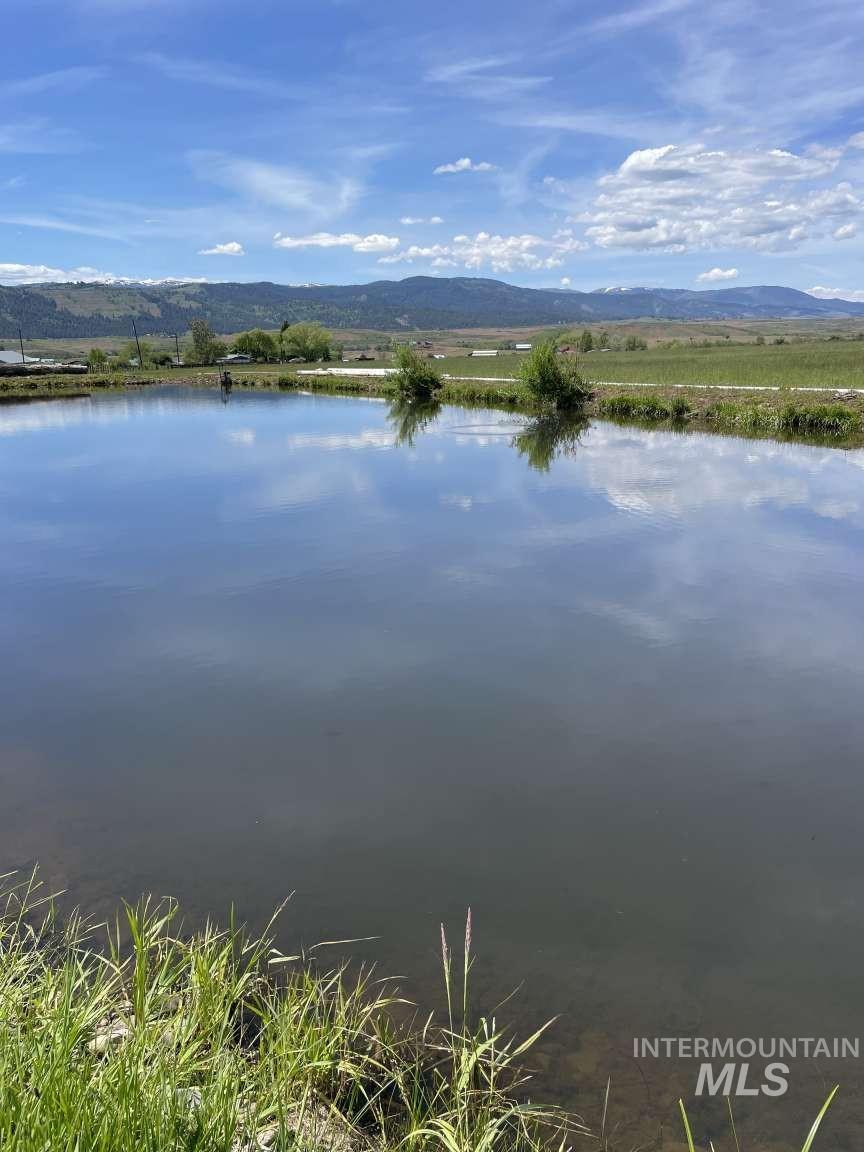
x: 418, y: 302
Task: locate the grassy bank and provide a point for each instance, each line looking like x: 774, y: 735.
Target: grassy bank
x: 215, y: 1041
x: 139, y: 1036
x: 780, y: 413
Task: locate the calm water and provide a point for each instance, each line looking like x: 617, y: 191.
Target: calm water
x: 616, y: 706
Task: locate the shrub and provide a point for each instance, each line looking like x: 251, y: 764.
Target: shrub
x: 416, y: 378
x: 552, y: 380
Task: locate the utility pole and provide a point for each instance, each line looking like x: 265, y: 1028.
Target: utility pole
x: 21, y: 342
x: 137, y: 345
x: 177, y: 345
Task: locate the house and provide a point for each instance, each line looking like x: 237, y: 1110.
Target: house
x: 485, y: 352
x: 235, y: 358
x: 522, y: 347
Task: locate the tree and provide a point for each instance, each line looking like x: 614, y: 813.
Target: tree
x: 416, y: 378
x: 258, y: 344
x: 552, y: 380
x: 306, y: 341
x: 96, y: 360
x: 603, y: 339
x: 635, y: 344
x: 586, y: 341
x: 129, y: 353
x: 204, y: 344
x: 760, y: 339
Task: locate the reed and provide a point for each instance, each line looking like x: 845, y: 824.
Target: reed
x: 215, y: 1041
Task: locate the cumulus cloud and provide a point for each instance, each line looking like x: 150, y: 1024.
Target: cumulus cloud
x: 20, y: 274
x: 713, y: 275
x: 500, y: 253
x: 854, y: 294
x: 565, y: 281
x: 421, y: 219
x: 682, y: 197
x: 465, y: 164
x: 231, y: 248
x: 856, y: 141
x: 372, y: 243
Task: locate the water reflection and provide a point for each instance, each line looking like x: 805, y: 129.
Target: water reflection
x: 410, y: 417
x: 549, y: 436
x: 617, y: 673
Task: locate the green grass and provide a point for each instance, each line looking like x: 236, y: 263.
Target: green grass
x: 822, y: 364
x: 642, y: 406
x: 151, y: 1040
x: 824, y: 420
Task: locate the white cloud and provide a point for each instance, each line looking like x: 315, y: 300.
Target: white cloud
x: 683, y: 197
x: 216, y: 74
x: 37, y: 137
x: 631, y: 19
x: 277, y: 185
x: 21, y: 274
x: 230, y: 248
x: 421, y: 219
x: 565, y: 281
x: 856, y: 141
x: 713, y: 275
x: 845, y: 231
x: 854, y: 294
x: 65, y: 79
x: 372, y: 243
x: 500, y: 253
x: 465, y: 164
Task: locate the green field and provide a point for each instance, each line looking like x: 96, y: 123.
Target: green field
x: 816, y: 364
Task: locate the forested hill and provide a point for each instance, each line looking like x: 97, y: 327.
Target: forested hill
x: 81, y: 310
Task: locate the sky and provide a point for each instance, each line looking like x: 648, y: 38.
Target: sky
x: 675, y: 143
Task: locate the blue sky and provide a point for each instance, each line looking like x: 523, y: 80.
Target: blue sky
x: 660, y: 142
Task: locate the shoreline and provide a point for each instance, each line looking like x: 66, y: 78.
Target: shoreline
x: 836, y: 419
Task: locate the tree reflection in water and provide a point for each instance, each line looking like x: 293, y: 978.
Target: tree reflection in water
x: 548, y: 436
x: 409, y: 417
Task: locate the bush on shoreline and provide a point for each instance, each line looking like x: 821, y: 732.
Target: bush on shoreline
x: 552, y: 379
x: 416, y: 377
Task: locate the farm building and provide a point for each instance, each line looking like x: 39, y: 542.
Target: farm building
x: 522, y: 347
x: 485, y: 352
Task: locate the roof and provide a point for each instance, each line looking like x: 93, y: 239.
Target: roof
x: 485, y: 352
x: 235, y: 358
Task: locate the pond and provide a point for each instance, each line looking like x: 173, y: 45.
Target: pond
x: 605, y: 687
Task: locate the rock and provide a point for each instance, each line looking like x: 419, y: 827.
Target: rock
x: 191, y: 1097
x: 108, y: 1035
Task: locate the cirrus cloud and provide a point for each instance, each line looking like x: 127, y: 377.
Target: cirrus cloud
x: 375, y: 242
